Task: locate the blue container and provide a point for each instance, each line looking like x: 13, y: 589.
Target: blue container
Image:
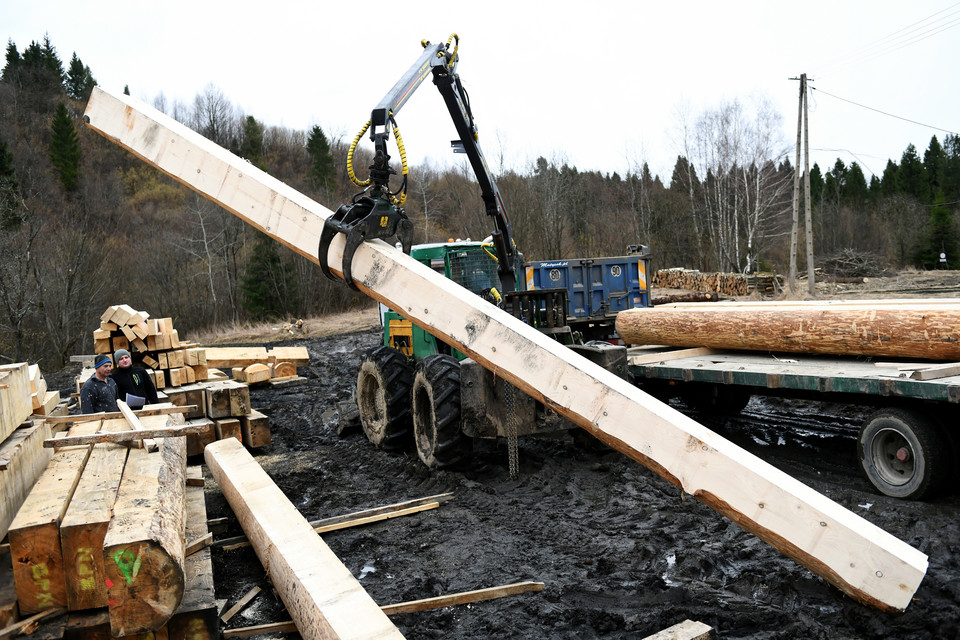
x: 596, y: 287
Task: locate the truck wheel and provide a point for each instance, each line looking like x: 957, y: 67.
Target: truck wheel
x: 383, y: 397
x: 903, y: 453
x: 436, y: 413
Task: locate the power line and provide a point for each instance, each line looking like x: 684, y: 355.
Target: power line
x: 929, y: 126
x: 908, y: 35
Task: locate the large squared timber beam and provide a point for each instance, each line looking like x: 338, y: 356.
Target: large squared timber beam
x: 858, y: 557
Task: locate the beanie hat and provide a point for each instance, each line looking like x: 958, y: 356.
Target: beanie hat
x: 119, y: 354
x: 101, y: 360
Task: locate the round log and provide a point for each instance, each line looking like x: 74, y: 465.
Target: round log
x: 908, y: 331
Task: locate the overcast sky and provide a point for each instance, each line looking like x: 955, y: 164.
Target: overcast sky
x: 600, y: 85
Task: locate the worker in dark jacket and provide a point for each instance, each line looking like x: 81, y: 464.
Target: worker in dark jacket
x: 133, y: 383
x: 99, y: 393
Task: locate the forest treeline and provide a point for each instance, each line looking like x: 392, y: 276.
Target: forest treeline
x: 84, y: 224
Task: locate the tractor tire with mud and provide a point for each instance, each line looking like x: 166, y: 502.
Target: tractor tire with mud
x: 437, y: 432
x: 383, y: 398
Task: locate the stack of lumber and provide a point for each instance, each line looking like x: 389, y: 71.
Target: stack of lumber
x: 158, y: 346
x: 22, y: 456
x: 44, y: 401
x: 105, y: 533
x: 223, y: 410
x: 909, y: 328
x: 258, y: 364
x: 731, y: 284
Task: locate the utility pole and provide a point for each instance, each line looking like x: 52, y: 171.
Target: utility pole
x: 803, y: 133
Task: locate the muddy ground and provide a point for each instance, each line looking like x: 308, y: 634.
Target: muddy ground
x: 621, y: 553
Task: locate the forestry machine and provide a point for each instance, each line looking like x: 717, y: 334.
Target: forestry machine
x: 413, y: 381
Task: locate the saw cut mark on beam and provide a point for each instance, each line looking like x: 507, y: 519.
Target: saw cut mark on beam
x: 855, y: 555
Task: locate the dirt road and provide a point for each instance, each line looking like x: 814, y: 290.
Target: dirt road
x: 621, y: 552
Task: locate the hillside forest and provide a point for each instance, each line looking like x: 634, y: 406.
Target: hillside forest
x: 84, y: 224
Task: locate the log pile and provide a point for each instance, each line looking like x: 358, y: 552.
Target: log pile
x: 731, y: 284
x: 223, y: 409
x: 103, y: 534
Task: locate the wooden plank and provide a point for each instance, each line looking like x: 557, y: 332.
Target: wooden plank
x: 50, y: 401
x: 936, y: 372
x: 261, y: 629
x: 133, y: 421
x: 901, y: 331
x: 22, y: 460
x: 255, y: 430
x: 85, y: 523
x: 15, y: 403
x: 229, y: 357
x: 466, y: 597
x: 125, y: 436
x: 21, y: 626
x: 364, y: 516
x: 196, y: 618
x: 320, y: 593
x: 241, y: 603
x: 855, y: 555
x: 253, y: 373
x: 143, y: 549
x: 35, y: 535
x: 151, y: 410
x: 686, y: 630
x: 666, y: 356
x: 297, y: 356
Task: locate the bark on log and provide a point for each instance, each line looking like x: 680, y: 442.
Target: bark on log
x: 321, y: 594
x: 143, y: 550
x: 858, y: 557
x: 908, y: 330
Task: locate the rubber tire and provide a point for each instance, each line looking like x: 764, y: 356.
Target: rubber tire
x: 887, y: 431
x: 439, y: 440
x: 383, y: 398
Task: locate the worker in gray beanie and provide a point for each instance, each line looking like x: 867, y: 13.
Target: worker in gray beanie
x: 134, y: 385
x: 99, y: 392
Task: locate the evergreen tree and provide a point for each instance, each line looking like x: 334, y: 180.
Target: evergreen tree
x: 11, y: 70
x: 816, y: 184
x: 65, y: 150
x: 940, y: 236
x: 950, y: 175
x: 855, y: 190
x: 269, y: 286
x: 912, y: 177
x: 888, y: 183
x: 80, y: 81
x: 251, y: 147
x: 322, y: 170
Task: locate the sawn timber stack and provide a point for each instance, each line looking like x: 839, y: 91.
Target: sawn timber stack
x: 858, y: 557
x: 928, y: 329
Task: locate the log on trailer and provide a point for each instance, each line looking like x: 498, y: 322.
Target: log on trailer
x: 896, y: 328
x: 320, y: 593
x: 855, y: 555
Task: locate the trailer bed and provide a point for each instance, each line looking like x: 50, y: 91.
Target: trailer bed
x: 780, y: 374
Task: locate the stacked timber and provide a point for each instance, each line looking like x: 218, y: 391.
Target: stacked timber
x: 223, y: 410
x: 22, y: 456
x: 915, y: 328
x: 154, y: 343
x: 731, y: 284
x: 44, y: 401
x: 258, y: 364
x: 104, y: 533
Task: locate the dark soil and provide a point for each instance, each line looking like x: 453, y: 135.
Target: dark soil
x: 621, y: 552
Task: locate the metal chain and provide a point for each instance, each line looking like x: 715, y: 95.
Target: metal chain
x: 513, y: 452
